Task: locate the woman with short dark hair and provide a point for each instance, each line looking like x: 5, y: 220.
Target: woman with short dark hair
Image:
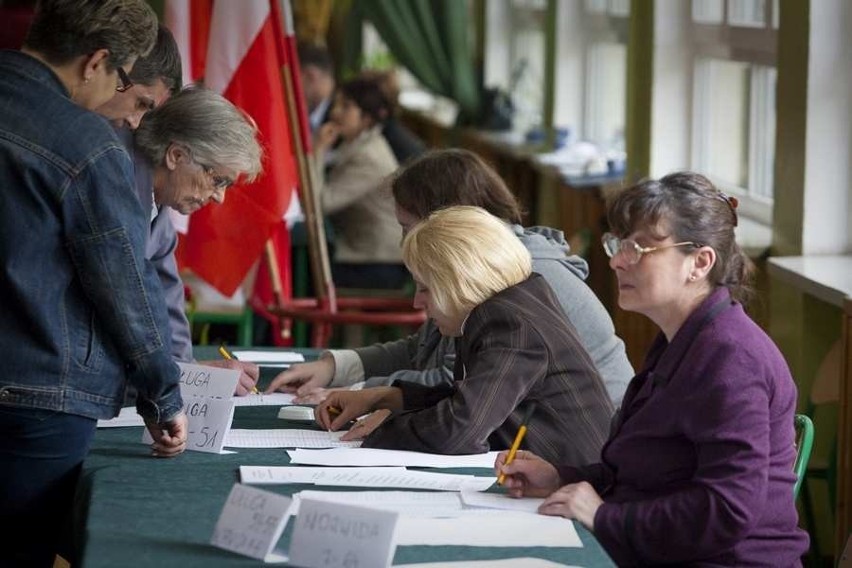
x: 82, y: 311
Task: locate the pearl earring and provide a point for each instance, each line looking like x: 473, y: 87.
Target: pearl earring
x: 692, y: 277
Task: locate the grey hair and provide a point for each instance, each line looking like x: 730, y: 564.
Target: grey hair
x: 211, y: 128
x: 65, y: 29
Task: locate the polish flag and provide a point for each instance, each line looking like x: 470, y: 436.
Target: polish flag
x: 244, y: 62
x: 189, y: 22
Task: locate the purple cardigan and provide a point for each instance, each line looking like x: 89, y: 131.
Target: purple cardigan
x: 699, y: 465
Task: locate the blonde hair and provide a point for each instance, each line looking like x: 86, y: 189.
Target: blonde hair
x: 464, y: 256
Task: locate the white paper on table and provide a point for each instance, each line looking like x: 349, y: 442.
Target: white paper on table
x: 525, y: 562
x: 488, y: 528
x: 287, y: 438
x: 500, y: 501
x: 127, y: 416
x: 209, y: 382
x: 388, y: 477
x: 406, y: 503
x: 269, y: 356
x: 374, y: 457
x: 261, y: 399
x: 269, y: 475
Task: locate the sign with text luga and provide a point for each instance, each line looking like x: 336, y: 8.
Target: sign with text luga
x: 252, y: 522
x: 207, y: 394
x: 334, y: 535
x: 213, y: 382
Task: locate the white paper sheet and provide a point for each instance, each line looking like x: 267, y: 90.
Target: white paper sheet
x: 389, y: 477
x: 269, y: 356
x: 406, y: 503
x: 501, y: 501
x: 373, y: 457
x: 270, y: 475
x: 525, y: 562
x: 281, y: 438
x: 260, y: 399
x: 491, y: 528
x: 127, y: 416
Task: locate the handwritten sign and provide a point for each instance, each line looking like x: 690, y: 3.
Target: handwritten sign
x: 213, y: 382
x: 332, y: 535
x: 251, y: 523
x: 209, y: 423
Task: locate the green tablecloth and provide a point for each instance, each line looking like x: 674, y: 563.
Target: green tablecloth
x: 134, y: 510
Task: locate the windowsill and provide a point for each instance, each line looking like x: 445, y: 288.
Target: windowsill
x: 754, y: 237
x: 828, y: 278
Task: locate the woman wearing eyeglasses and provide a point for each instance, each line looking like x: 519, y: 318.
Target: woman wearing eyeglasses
x: 198, y: 144
x: 698, y: 468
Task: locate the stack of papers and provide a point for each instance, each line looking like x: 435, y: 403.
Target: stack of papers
x: 281, y: 359
x: 287, y: 438
x: 391, y: 477
x: 373, y: 457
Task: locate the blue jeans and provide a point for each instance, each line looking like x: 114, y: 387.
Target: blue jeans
x: 41, y: 452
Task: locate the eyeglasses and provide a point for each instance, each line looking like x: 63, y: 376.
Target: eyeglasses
x: 125, y: 81
x: 220, y: 183
x: 631, y: 250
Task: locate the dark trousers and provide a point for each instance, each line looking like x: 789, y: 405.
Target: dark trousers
x: 41, y: 453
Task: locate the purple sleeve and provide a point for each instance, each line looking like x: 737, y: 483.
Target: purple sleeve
x: 727, y: 420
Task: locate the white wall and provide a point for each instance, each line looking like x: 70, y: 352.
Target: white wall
x: 828, y: 180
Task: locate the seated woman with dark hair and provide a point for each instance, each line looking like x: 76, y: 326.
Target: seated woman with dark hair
x: 514, y: 348
x: 698, y: 468
x: 354, y: 195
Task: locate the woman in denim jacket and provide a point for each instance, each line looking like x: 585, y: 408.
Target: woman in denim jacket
x: 81, y: 309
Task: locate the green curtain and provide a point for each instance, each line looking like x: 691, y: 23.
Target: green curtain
x: 429, y: 37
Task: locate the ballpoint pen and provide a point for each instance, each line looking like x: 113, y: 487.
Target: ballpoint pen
x: 518, y: 438
x: 225, y: 355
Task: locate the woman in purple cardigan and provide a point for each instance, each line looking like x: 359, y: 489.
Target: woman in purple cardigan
x: 698, y: 468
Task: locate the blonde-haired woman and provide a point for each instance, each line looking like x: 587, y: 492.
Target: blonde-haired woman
x: 514, y: 348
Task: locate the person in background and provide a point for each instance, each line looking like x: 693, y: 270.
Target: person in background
x: 82, y: 312
x: 514, y: 349
x: 698, y: 468
x: 156, y: 77
x: 444, y: 178
x: 318, y: 84
x: 354, y: 194
x: 405, y: 144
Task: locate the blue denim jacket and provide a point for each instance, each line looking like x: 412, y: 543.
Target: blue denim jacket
x: 81, y: 309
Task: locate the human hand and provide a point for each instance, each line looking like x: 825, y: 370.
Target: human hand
x: 169, y: 437
x: 326, y: 136
x: 316, y: 396
x: 528, y: 475
x: 575, y: 501
x: 304, y: 377
x: 249, y: 373
x: 365, y: 426
x: 352, y: 404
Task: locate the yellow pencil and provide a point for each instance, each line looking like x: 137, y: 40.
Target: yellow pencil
x: 225, y: 355
x: 518, y: 439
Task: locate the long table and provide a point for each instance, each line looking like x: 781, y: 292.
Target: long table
x: 134, y: 510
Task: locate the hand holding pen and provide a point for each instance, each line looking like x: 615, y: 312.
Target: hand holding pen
x: 228, y: 357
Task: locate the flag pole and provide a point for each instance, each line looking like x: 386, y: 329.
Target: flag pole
x: 300, y: 132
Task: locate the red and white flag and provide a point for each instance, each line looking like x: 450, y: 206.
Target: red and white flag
x: 244, y: 64
x: 189, y: 22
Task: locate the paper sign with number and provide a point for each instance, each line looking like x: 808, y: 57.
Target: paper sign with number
x: 209, y: 422
x: 333, y: 535
x: 252, y: 522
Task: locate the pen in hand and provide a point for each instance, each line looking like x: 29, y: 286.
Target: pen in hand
x: 518, y: 438
x: 225, y: 355
x: 332, y: 412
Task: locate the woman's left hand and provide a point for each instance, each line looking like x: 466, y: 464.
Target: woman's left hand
x: 365, y: 426
x: 575, y: 501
